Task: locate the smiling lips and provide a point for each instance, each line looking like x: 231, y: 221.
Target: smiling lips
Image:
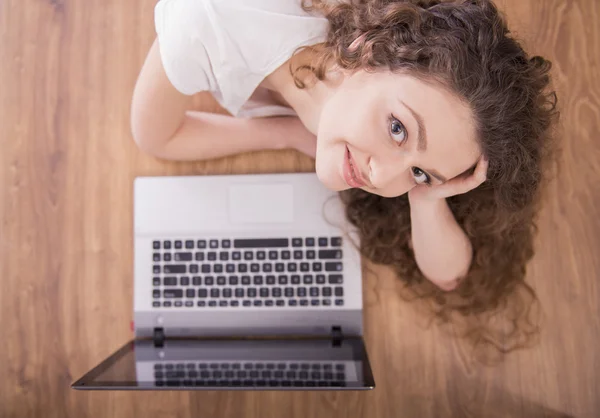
x: 351, y: 172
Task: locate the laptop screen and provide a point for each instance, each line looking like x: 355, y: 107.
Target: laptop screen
x: 234, y: 364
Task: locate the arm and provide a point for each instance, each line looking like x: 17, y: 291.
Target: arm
x: 162, y: 125
x: 442, y: 250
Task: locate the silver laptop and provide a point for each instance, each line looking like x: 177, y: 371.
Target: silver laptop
x: 241, y: 282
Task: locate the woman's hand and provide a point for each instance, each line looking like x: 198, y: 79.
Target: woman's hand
x: 301, y: 139
x: 458, y: 185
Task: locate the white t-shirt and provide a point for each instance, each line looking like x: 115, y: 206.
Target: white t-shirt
x: 227, y: 47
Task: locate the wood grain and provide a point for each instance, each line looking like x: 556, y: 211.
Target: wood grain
x: 67, y: 163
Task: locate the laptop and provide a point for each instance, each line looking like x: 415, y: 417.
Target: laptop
x: 241, y: 282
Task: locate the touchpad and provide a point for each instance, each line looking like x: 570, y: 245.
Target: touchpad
x: 261, y: 203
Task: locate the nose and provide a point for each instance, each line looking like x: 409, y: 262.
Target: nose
x: 382, y: 173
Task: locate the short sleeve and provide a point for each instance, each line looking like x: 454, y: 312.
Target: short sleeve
x: 178, y: 26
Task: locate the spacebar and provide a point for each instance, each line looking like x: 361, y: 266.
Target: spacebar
x: 261, y: 243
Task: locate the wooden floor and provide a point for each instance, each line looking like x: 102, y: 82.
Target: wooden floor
x: 67, y: 163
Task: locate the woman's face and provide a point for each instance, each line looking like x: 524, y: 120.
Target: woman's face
x: 386, y: 133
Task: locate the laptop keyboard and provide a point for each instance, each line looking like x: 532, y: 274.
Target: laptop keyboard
x: 306, y: 374
x: 271, y: 272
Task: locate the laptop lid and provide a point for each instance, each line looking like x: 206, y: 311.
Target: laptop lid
x: 265, y: 364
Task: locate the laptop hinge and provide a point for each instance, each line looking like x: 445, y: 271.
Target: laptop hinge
x: 158, y: 337
x: 336, y: 336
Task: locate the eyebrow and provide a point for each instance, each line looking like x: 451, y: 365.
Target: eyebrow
x: 422, y: 140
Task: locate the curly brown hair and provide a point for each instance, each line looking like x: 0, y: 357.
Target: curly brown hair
x: 465, y: 46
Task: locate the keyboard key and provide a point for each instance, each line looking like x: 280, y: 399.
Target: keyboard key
x: 320, y: 278
x: 239, y: 292
x: 193, y: 268
x: 201, y: 303
x: 233, y: 280
x: 213, y: 243
x: 267, y: 267
x: 339, y: 302
x: 314, y: 292
x: 226, y: 243
x: 156, y: 269
x: 218, y: 268
x: 212, y: 303
x: 172, y: 293
x: 338, y: 291
x: 175, y: 269
x: 190, y: 293
x: 251, y: 292
x: 292, y: 267
x: 336, y: 279
x: 221, y: 280
x: 215, y: 292
x: 280, y: 302
x: 254, y: 268
x: 224, y: 256
x: 234, y: 303
x: 316, y: 266
x: 297, y: 242
x: 223, y: 303
x: 286, y: 255
x: 199, y: 256
x: 270, y: 280
x: 247, y: 303
x: 202, y: 293
x: 201, y: 243
x: 178, y: 245
x: 309, y: 242
x: 298, y: 255
x: 245, y: 280
x: 269, y: 302
x: 282, y: 280
x: 167, y: 245
x: 261, y: 243
x: 327, y: 291
x: 170, y: 281
x: 230, y: 268
x: 314, y: 302
x: 336, y: 242
x: 273, y: 255
x: 323, y: 242
x: 242, y: 268
x: 236, y: 255
x: 209, y: 281
x: 189, y: 244
x: 303, y: 302
x: 264, y: 292
x: 292, y: 302
x: 184, y: 281
x: 257, y: 302
x: 156, y: 293
x: 295, y: 279
x: 156, y: 257
x: 156, y: 281
x: 307, y: 279
x: 326, y: 302
x: 167, y: 257
x: 301, y: 292
x: 261, y: 255
x: 276, y: 292
x: 212, y: 256
x: 227, y: 293
x: 156, y: 245
x: 330, y: 254
x: 310, y: 254
x: 289, y: 292
x: 279, y: 267
x: 304, y: 267
x: 167, y: 304
x: 196, y: 280
x: 333, y: 266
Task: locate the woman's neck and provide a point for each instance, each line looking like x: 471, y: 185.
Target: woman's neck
x: 307, y: 102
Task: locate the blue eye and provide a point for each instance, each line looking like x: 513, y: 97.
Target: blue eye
x: 397, y: 130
